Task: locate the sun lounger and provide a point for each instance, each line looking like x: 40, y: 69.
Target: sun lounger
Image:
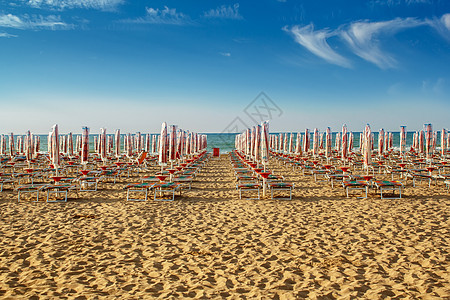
x: 58, y: 189
x: 184, y: 179
x: 355, y: 185
x: 89, y: 184
x: 29, y: 188
x: 166, y: 187
x: 248, y: 187
x: 281, y: 186
x: 138, y: 188
x: 383, y: 185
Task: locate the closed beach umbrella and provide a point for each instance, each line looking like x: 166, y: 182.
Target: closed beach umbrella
x: 265, y: 143
x: 291, y: 143
x: 70, y: 144
x: 11, y: 145
x: 328, y: 143
x: 117, y: 142
x: 350, y: 142
x: 103, y: 153
x: 306, y: 142
x: 162, y: 159
x: 344, y: 143
x: 428, y: 140
x: 2, y: 144
x: 56, y: 159
x: 257, y: 143
x: 316, y: 142
x: 443, y: 142
x: 298, y: 146
x: 402, y: 140
x: 367, y: 147
x: 381, y: 142
x: 421, y: 142
x: 172, y: 143
x: 85, y: 145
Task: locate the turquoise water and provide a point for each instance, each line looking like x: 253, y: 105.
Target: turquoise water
x: 225, y: 141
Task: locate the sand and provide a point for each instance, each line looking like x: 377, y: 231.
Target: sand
x: 209, y: 244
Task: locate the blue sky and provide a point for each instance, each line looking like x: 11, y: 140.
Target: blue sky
x: 134, y: 64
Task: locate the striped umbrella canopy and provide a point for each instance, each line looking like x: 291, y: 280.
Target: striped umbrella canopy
x: 117, y: 142
x: 402, y: 140
x: 448, y: 140
x: 328, y: 143
x: 187, y: 148
x: 367, y: 147
x: 163, y: 146
x: 291, y: 143
x: 361, y: 142
x: 338, y: 142
x: 428, y: 140
x: 28, y: 146
x: 265, y: 143
x: 70, y: 144
x: 252, y: 141
x: 103, y: 152
x: 11, y: 145
x: 381, y: 142
x: 147, y: 143
x: 2, y: 144
x: 285, y: 142
x: 316, y: 142
x: 37, y: 144
x: 85, y: 145
x: 55, y: 156
x: 298, y: 144
x: 386, y: 141
x: 181, y: 144
x: 322, y: 141
x: 415, y: 144
x: 257, y: 150
x: 154, y: 143
x: 443, y: 142
x: 306, y: 142
x: 421, y: 142
x: 434, y: 141
x: 350, y: 142
x: 344, y: 147
x: 172, y: 143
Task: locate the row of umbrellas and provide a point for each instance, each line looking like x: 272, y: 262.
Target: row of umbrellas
x: 424, y: 142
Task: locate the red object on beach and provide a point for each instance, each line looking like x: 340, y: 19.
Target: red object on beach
x: 216, y: 152
x: 57, y: 178
x: 161, y: 177
x: 84, y: 172
x: 265, y: 174
x: 367, y: 177
x: 344, y: 169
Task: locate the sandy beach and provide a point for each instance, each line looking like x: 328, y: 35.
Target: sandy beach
x: 210, y: 244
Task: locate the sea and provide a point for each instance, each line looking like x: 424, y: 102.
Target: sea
x: 225, y: 141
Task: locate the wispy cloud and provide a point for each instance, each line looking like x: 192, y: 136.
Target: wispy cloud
x: 226, y: 54
x: 6, y: 35
x: 400, y: 2
x: 361, y: 37
x: 33, y: 22
x: 315, y: 41
x: 167, y: 15
x: 224, y: 12
x: 70, y: 4
x: 442, y: 25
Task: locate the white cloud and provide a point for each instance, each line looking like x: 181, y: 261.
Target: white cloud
x: 162, y: 16
x: 361, y: 37
x: 70, y: 4
x: 224, y: 12
x: 316, y: 42
x: 442, y: 25
x: 227, y: 54
x: 7, y: 35
x: 33, y: 22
